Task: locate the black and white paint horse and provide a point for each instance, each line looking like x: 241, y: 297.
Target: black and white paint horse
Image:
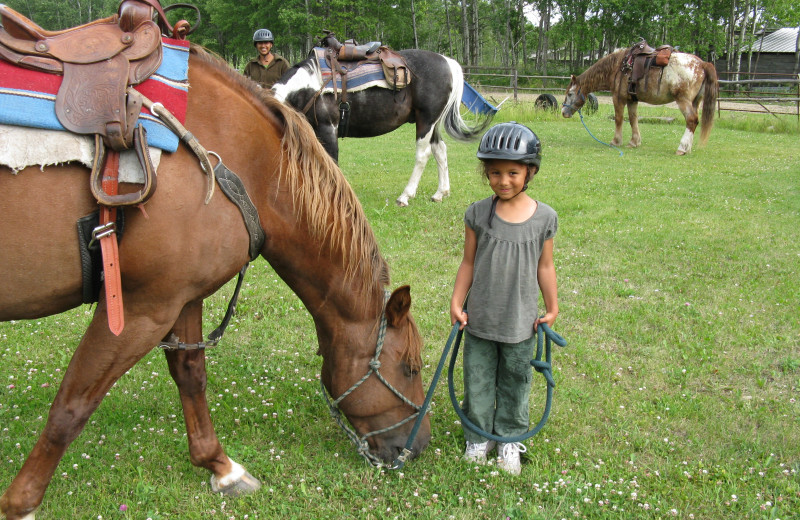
x: 431, y: 100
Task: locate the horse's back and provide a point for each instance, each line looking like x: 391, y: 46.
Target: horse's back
x: 426, y: 65
x: 682, y: 78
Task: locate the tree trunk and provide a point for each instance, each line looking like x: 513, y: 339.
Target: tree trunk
x: 309, y: 36
x: 414, y: 25
x: 449, y: 29
x: 465, y: 33
x: 474, y: 51
x: 730, y: 38
x: 742, y: 33
x: 523, y: 23
x: 753, y: 34
x: 544, y: 40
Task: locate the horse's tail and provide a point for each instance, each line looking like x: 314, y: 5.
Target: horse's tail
x: 711, y: 91
x: 454, y: 124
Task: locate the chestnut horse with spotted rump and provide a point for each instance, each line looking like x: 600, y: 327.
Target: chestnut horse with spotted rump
x: 686, y: 80
x: 182, y: 250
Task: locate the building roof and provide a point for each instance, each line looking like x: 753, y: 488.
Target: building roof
x: 782, y: 40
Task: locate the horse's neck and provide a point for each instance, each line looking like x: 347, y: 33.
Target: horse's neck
x: 600, y: 76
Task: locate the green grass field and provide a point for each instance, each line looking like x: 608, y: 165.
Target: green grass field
x: 676, y: 397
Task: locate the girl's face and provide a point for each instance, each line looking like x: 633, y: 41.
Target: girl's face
x: 506, y: 178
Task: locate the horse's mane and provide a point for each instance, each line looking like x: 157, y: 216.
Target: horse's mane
x: 599, y: 76
x: 324, y: 196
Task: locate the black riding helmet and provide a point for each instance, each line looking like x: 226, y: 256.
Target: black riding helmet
x: 511, y: 141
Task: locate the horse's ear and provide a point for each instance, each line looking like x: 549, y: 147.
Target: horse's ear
x: 398, y: 306
x: 574, y: 79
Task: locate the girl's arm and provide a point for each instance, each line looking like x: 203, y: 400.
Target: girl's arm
x: 463, y: 279
x: 546, y: 273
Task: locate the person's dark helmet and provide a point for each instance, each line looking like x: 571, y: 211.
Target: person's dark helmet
x: 263, y: 35
x: 511, y: 141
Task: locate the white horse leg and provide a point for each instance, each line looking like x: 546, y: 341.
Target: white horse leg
x: 633, y: 115
x: 686, y: 143
x: 237, y: 482
x: 423, y: 154
x: 440, y: 154
x: 690, y: 114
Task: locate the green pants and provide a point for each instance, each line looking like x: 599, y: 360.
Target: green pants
x: 497, y: 385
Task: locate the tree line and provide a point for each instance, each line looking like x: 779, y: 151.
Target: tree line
x: 533, y: 36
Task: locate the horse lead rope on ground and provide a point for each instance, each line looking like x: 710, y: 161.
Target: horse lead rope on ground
x: 571, y: 107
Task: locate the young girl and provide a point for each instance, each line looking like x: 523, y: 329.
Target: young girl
x: 508, y: 259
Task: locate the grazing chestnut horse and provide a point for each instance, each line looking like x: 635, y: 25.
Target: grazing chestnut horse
x: 685, y: 80
x: 183, y: 250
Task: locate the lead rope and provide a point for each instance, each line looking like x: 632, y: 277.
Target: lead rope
x: 587, y: 128
x: 543, y: 367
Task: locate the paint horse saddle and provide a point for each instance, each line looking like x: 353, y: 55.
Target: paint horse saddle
x: 638, y: 60
x: 99, y: 61
x: 395, y: 69
x: 394, y: 66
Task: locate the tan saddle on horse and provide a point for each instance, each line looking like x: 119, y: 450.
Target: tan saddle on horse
x: 640, y: 58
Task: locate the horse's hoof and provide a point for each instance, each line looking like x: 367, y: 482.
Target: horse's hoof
x: 680, y: 152
x: 245, y: 485
x: 401, y: 203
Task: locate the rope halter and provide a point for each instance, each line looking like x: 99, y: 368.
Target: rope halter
x: 572, y: 106
x: 360, y: 442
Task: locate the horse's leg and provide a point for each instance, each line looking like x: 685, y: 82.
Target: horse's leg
x: 188, y: 369
x: 440, y: 154
x: 99, y: 361
x: 423, y: 154
x: 633, y: 116
x: 619, y: 117
x: 689, y: 111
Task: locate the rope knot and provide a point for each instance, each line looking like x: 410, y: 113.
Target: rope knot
x: 375, y: 364
x: 544, y: 368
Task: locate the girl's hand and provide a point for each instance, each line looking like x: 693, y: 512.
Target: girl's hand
x: 549, y: 318
x: 458, y: 315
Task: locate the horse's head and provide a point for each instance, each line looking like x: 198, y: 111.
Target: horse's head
x: 375, y: 381
x: 574, y: 100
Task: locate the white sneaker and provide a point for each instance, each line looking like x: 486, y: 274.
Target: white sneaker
x: 508, y: 457
x: 477, y: 451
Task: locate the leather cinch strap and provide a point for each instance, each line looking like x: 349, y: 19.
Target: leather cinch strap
x: 106, y: 233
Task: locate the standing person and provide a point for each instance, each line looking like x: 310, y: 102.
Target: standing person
x: 508, y: 260
x: 267, y: 67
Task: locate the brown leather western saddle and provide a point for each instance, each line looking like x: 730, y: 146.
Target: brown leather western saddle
x: 100, y: 61
x: 395, y: 69
x: 394, y: 65
x: 638, y: 60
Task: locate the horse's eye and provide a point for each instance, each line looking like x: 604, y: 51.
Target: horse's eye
x: 409, y: 371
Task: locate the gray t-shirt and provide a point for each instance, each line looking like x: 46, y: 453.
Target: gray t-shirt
x: 503, y: 300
